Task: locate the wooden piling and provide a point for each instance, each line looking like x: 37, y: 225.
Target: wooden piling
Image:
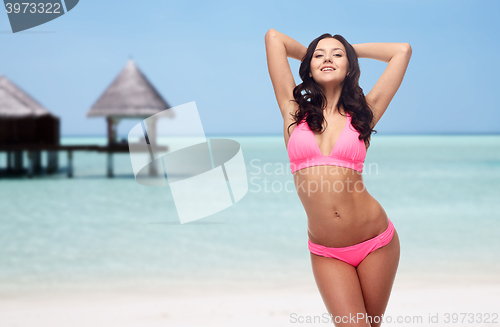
x: 9, y: 161
x: 30, y: 163
x: 18, y: 161
x: 110, y: 164
x: 52, y: 161
x: 70, y: 163
x: 37, y: 161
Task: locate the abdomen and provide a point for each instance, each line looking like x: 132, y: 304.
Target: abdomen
x: 339, y: 209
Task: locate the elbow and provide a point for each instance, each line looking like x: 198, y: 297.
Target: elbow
x: 270, y: 33
x: 407, y: 48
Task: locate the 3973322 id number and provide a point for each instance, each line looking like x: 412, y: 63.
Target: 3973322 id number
x: 41, y: 8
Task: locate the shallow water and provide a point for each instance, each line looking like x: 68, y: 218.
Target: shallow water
x: 441, y: 192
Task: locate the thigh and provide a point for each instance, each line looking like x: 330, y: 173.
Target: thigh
x: 376, y: 275
x: 340, y: 289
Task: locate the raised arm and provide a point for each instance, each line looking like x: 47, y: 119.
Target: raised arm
x: 278, y: 48
x: 398, y: 56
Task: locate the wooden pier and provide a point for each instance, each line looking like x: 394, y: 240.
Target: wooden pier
x: 25, y: 125
x: 15, y: 156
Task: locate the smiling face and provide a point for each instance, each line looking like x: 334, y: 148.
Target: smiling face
x: 329, y: 53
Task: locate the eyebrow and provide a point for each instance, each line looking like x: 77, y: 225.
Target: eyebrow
x: 332, y: 49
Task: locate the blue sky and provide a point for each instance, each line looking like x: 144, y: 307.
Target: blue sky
x: 213, y: 53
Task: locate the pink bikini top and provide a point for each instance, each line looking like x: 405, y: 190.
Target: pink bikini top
x: 303, y: 150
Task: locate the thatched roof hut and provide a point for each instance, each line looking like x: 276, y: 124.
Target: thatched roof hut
x: 130, y: 95
x: 23, y: 123
x: 22, y: 119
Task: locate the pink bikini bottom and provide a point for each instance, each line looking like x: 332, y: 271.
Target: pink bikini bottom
x: 354, y: 254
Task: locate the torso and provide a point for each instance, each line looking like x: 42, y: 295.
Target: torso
x: 342, y: 213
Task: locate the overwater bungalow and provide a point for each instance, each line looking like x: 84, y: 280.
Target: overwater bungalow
x: 25, y: 125
x: 130, y: 96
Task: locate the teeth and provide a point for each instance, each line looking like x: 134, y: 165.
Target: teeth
x: 327, y: 69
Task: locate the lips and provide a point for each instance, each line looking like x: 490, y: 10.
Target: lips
x: 322, y: 69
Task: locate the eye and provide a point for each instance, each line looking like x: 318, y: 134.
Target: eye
x: 317, y: 56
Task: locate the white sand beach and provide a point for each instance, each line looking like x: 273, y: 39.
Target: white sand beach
x: 244, y: 305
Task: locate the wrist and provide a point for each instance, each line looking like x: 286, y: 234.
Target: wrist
x: 356, y: 50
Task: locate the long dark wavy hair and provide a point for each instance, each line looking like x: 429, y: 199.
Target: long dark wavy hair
x: 312, y: 101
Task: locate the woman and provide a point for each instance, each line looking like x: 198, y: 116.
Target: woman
x: 328, y: 122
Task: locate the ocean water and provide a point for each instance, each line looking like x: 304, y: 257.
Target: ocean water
x: 441, y: 192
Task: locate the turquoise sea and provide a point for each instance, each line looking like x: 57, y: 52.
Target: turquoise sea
x: 441, y: 192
